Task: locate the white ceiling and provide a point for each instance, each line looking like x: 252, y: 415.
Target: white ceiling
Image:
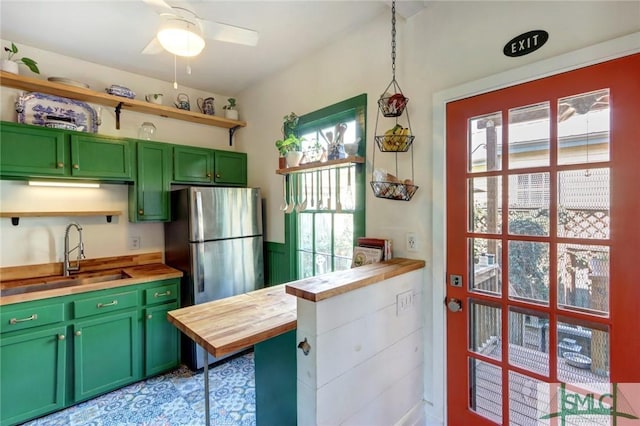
x: 114, y: 33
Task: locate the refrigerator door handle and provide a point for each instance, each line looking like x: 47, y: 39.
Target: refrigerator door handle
x: 200, y: 238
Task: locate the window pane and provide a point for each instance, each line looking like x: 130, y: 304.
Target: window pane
x: 324, y: 233
x: 487, y: 260
x: 343, y: 235
x: 305, y: 233
x: 305, y: 262
x: 583, y: 128
x: 528, y: 400
x: 529, y: 271
x: 485, y: 194
x: 529, y: 136
x: 583, y: 277
x: 583, y: 354
x: 583, y: 203
x: 486, y: 389
x: 529, y: 204
x: 485, y: 143
x: 528, y: 337
x: 485, y: 330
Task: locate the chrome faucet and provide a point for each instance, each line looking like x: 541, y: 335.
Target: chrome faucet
x: 67, y: 267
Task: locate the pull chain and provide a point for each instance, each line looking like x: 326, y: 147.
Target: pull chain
x: 175, y: 73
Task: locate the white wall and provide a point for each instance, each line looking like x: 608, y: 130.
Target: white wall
x: 445, y: 45
x: 41, y: 240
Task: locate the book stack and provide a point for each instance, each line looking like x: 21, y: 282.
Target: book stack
x: 371, y: 250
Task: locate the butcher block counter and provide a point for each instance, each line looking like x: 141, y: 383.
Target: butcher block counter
x: 227, y: 325
x: 44, y: 278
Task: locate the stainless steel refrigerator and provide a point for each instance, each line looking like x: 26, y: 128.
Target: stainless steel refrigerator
x: 215, y: 238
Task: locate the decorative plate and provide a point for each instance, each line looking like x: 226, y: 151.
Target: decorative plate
x: 38, y: 108
x: 68, y: 82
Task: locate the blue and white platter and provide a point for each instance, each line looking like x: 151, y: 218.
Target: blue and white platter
x: 40, y: 108
x: 120, y: 91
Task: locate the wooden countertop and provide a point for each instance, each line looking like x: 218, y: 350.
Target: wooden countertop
x: 227, y: 325
x: 140, y: 269
x: 324, y: 286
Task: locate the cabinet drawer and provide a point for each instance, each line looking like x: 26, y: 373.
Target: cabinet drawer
x: 20, y: 319
x: 104, y: 304
x: 164, y: 293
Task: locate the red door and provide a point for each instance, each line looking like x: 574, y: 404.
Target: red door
x: 543, y: 228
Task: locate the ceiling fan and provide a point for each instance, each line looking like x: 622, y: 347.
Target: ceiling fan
x: 183, y: 33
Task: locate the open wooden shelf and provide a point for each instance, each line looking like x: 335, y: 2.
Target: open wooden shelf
x: 87, y: 95
x: 317, y: 165
x: 15, y: 216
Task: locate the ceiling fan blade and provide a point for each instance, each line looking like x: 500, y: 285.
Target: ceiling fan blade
x: 153, y: 48
x: 229, y: 33
x: 160, y: 6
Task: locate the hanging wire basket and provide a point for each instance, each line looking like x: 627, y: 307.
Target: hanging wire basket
x: 393, y: 190
x: 394, y: 143
x: 393, y: 102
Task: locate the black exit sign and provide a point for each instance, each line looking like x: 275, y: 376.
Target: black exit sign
x: 525, y: 43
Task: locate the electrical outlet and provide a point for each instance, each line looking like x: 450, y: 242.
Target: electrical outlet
x: 412, y: 242
x: 134, y: 243
x: 404, y: 302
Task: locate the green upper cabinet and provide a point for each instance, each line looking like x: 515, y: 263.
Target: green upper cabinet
x: 230, y: 168
x: 149, y: 196
x: 192, y: 164
x: 208, y: 166
x: 32, y: 151
x: 100, y: 157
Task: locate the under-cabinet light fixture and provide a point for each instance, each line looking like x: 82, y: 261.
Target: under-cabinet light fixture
x: 64, y: 184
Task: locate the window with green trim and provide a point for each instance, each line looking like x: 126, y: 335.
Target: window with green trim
x: 333, y: 197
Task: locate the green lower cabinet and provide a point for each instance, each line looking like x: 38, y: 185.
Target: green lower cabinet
x: 162, y: 340
x: 106, y: 353
x: 33, y: 370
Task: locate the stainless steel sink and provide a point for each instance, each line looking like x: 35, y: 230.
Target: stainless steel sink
x: 71, y: 282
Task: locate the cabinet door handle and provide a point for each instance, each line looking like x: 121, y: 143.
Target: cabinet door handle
x: 60, y: 164
x: 218, y: 175
x: 166, y: 293
x: 149, y: 316
x: 208, y: 174
x: 78, y: 333
x: 76, y: 166
x: 140, y: 211
x: 60, y: 336
x: 104, y: 305
x: 31, y: 318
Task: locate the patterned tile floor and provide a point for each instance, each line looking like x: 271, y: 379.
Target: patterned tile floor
x: 175, y: 398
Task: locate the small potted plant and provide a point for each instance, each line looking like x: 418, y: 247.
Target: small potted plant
x: 290, y: 146
x: 11, y: 65
x: 230, y: 110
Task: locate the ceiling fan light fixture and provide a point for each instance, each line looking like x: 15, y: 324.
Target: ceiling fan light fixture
x: 181, y: 37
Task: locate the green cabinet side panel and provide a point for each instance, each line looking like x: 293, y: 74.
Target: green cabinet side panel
x: 278, y: 264
x: 192, y: 165
x: 276, y: 380
x: 32, y: 368
x: 27, y: 151
x: 100, y: 157
x: 162, y: 340
x: 106, y: 353
x: 149, y: 197
x: 230, y: 168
